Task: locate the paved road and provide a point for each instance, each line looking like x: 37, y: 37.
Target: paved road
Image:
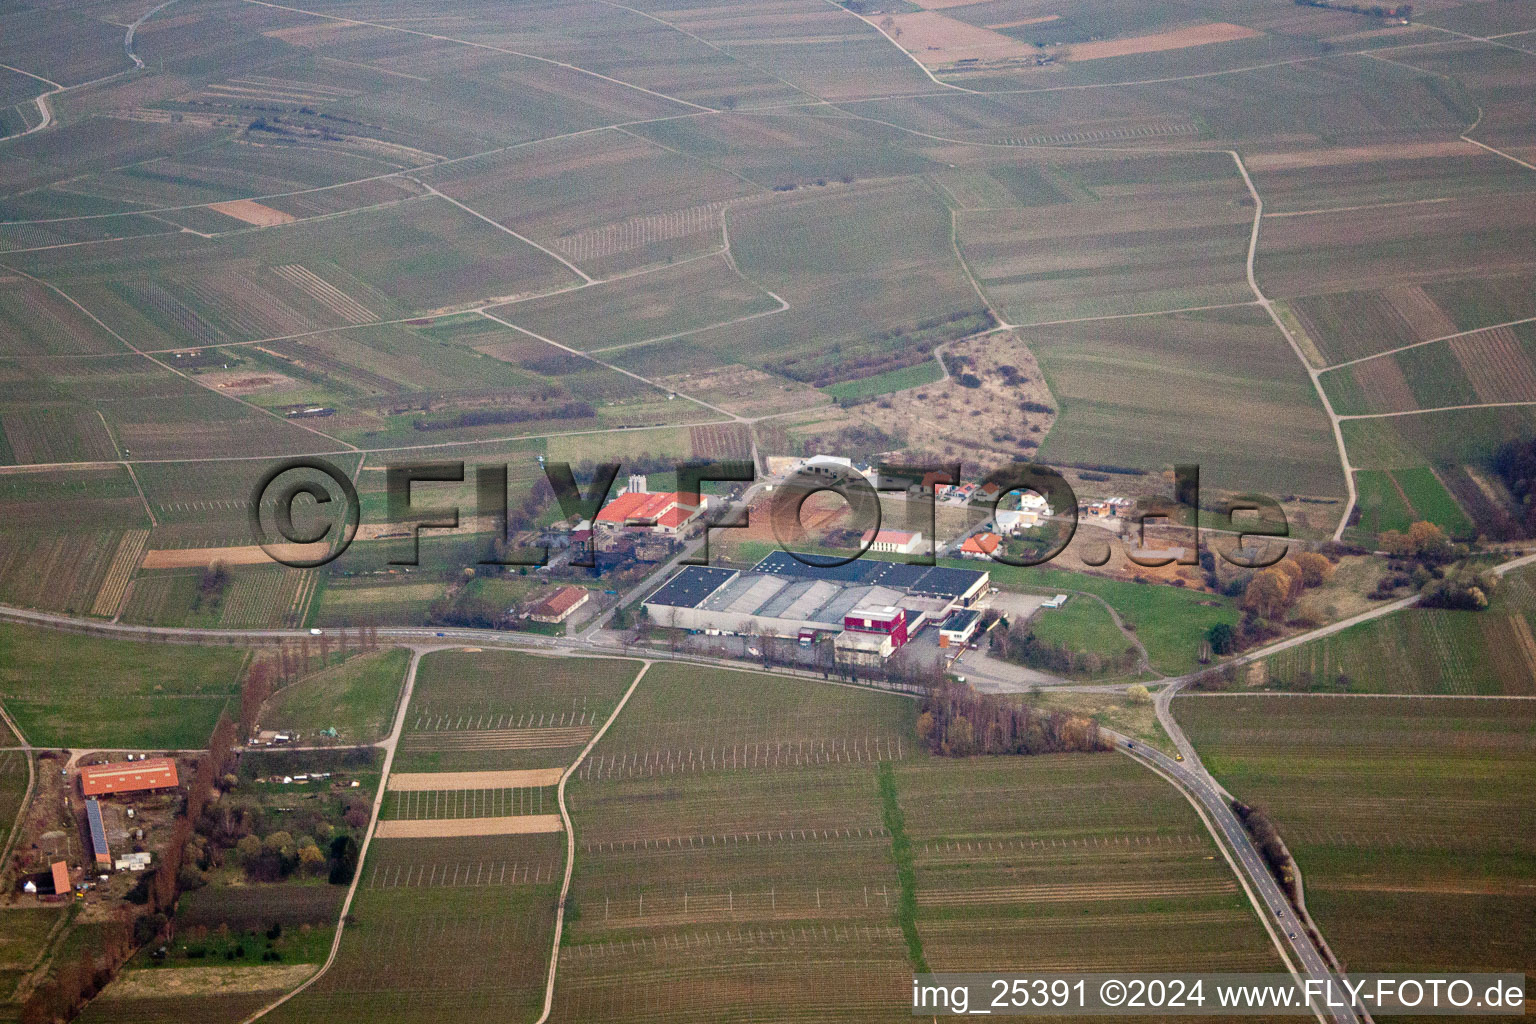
x: 1270, y: 901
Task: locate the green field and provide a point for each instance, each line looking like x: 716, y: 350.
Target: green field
x: 1170, y: 621
x: 1082, y: 624
x: 1395, y: 499
x: 884, y: 383
x: 1431, y: 501
x: 356, y: 698
x: 81, y: 691
x: 1380, y: 502
x: 1411, y: 820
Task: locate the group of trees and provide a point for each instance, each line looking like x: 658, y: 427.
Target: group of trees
x: 956, y: 721
x: 1420, y: 558
x: 278, y: 854
x: 1272, y: 591
x: 211, y: 587
x: 573, y: 410
x: 1019, y: 644
x: 1515, y: 462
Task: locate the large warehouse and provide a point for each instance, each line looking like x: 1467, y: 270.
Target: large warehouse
x: 782, y: 596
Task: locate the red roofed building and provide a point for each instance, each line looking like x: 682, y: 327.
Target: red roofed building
x: 559, y: 605
x: 128, y: 777
x: 61, y: 878
x: 980, y: 545
x: 656, y: 513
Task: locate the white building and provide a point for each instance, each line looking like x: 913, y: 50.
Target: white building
x: 894, y: 542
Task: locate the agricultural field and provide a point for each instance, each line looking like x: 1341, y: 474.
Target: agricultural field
x: 447, y: 861
x: 483, y: 711
x: 65, y: 690
x: 1282, y: 242
x: 1199, y: 388
x: 1072, y: 862
x: 356, y: 698
x: 1409, y: 818
x: 1146, y: 234
x: 1418, y: 650
x: 725, y: 814
x: 1492, y: 365
x: 645, y: 308
x: 749, y: 825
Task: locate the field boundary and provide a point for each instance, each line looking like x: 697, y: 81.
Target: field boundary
x: 570, y: 840
x: 362, y: 853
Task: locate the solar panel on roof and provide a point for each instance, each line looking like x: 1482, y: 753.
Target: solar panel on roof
x: 98, y: 828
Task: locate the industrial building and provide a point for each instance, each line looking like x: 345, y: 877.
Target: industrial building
x: 893, y: 542
x: 783, y: 596
x: 128, y: 777
x: 958, y: 629
x: 98, y: 833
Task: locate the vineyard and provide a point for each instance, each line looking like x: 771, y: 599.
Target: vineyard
x: 60, y: 572
x: 125, y: 561
x: 1069, y: 862
x: 458, y: 925
x: 720, y: 441
x: 266, y: 598
x: 1416, y: 651
x: 1412, y: 820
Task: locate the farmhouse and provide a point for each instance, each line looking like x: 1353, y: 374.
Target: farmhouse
x: 980, y: 545
x: 98, y: 829
x: 893, y: 542
x: 60, y: 877
x: 560, y: 604
x: 128, y: 777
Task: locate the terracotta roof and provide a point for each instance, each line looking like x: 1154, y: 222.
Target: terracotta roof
x: 128, y: 776
x: 637, y: 505
x: 61, y: 878
x: 561, y: 601
x: 675, y: 516
x: 981, y: 544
